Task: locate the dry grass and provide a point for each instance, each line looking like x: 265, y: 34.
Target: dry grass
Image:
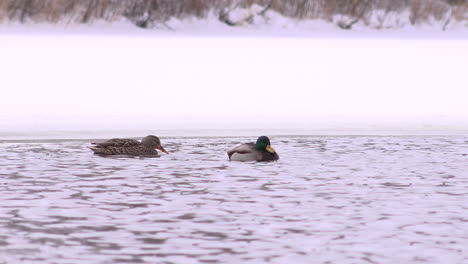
x: 147, y: 13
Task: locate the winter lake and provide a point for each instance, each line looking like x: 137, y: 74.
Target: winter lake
x: 333, y: 197
x: 329, y: 199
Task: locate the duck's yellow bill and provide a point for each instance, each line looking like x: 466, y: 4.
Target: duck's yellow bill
x: 270, y: 149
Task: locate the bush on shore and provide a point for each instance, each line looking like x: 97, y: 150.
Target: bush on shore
x: 148, y: 13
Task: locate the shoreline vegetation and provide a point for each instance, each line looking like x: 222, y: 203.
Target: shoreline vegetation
x: 376, y: 14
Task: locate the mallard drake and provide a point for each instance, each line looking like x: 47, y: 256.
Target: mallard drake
x: 260, y: 151
x: 126, y: 146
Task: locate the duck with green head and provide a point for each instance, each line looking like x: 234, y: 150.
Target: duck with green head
x: 260, y: 151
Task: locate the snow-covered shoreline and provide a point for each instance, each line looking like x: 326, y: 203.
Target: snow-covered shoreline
x: 62, y: 80
x: 205, y: 16
x: 278, y: 28
x: 43, y: 130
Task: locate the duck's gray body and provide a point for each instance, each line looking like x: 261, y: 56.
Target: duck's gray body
x: 131, y: 147
x: 248, y: 152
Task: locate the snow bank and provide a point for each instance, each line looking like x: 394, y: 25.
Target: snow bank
x: 192, y: 75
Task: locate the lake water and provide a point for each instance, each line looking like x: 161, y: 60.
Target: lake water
x: 329, y: 199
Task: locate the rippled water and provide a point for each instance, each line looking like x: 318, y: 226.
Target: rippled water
x: 327, y: 200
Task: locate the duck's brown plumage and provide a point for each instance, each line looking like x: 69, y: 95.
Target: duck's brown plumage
x: 126, y: 146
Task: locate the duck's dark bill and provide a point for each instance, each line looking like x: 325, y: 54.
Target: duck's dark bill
x: 162, y: 149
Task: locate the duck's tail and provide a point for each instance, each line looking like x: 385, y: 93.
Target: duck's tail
x: 96, y: 149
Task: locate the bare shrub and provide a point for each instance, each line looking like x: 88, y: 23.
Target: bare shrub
x: 147, y: 13
x: 423, y: 10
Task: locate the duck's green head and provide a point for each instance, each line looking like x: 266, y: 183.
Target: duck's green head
x: 263, y: 143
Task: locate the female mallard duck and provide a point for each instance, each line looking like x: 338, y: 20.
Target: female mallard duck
x: 260, y: 151
x: 126, y: 146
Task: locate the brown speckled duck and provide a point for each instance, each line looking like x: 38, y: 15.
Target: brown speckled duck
x: 126, y: 146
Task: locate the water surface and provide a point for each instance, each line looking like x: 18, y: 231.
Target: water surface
x: 329, y: 199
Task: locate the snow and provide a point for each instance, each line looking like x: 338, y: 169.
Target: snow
x: 202, y: 74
